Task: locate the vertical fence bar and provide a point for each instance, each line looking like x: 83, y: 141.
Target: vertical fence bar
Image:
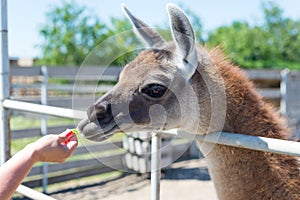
x: 44, y: 130
x: 4, y: 86
x: 155, y: 166
x: 283, y: 90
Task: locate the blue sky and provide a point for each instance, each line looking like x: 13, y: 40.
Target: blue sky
x: 26, y: 16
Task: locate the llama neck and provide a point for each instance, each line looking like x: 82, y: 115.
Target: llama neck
x: 248, y: 113
x: 240, y: 173
x: 246, y: 174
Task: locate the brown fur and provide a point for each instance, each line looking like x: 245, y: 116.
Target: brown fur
x: 218, y: 96
x: 246, y: 174
x: 238, y: 174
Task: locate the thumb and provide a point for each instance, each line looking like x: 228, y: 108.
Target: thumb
x: 72, y: 145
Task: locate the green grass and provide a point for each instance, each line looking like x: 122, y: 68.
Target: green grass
x: 83, y: 181
x: 22, y: 122
x: 90, y: 180
x: 18, y: 144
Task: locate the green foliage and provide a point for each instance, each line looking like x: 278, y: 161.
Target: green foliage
x: 196, y: 23
x: 285, y: 38
x: 70, y: 33
x: 122, y: 41
x: 275, y: 44
x: 243, y: 44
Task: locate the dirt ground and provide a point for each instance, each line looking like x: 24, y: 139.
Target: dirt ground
x: 187, y: 179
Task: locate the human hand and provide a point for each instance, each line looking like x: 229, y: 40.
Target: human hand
x: 54, y: 148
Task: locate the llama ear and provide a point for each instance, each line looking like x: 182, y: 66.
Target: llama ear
x: 149, y: 36
x: 184, y: 37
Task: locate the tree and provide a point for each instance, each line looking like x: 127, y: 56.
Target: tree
x: 196, y: 23
x: 126, y: 43
x: 285, y: 38
x: 243, y: 44
x: 69, y: 34
x: 276, y: 43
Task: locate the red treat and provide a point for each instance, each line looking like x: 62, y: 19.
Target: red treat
x: 69, y: 134
x: 68, y: 137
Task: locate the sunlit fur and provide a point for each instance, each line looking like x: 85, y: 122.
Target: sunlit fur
x: 246, y: 174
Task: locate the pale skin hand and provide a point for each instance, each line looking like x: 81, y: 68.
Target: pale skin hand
x: 50, y: 148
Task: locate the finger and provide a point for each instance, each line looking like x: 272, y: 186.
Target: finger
x: 66, y: 136
x: 72, y: 146
x: 73, y: 137
x: 70, y: 137
x: 65, y: 133
x: 62, y: 136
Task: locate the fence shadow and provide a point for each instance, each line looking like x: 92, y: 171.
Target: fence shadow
x: 183, y: 173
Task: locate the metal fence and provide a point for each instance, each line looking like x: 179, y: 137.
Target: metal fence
x: 281, y: 94
x: 284, y: 91
x: 237, y: 140
x: 35, y: 86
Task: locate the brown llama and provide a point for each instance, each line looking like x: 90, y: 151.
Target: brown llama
x: 194, y: 87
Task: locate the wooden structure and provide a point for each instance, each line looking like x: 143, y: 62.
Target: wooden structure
x: 27, y: 83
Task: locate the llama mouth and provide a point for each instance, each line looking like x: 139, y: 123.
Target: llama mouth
x: 92, y: 130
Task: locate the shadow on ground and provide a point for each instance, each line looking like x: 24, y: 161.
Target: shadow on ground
x: 189, y: 169
x: 183, y: 173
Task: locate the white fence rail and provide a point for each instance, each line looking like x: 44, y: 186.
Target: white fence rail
x: 247, y: 142
x: 44, y: 109
x: 33, y: 194
x: 237, y: 140
x: 231, y: 139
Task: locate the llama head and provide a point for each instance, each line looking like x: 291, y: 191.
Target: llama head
x: 154, y: 90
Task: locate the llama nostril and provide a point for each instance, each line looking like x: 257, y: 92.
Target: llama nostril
x: 100, y: 107
x: 101, y: 110
x: 97, y: 111
x: 91, y: 113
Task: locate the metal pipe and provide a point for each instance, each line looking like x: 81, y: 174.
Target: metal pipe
x: 283, y: 91
x: 33, y: 194
x: 44, y: 98
x: 231, y: 139
x: 43, y: 109
x: 155, y: 166
x: 44, y: 127
x: 4, y: 95
x: 245, y: 141
x: 4, y: 83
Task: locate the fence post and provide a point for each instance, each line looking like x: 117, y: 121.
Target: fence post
x: 283, y: 89
x: 4, y: 86
x: 155, y: 166
x: 44, y: 131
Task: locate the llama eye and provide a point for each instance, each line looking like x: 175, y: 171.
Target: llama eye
x: 154, y: 90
